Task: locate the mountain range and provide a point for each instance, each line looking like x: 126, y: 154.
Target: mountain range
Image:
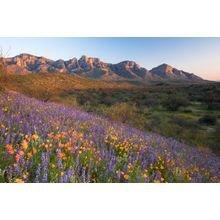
x: 94, y: 68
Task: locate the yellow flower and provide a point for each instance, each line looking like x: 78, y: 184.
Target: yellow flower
x: 161, y: 167
x: 19, y: 181
x: 145, y: 175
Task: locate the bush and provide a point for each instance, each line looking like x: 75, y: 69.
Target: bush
x: 122, y: 112
x: 208, y: 119
x: 183, y: 122
x: 212, y: 100
x: 108, y: 100
x: 127, y: 113
x: 174, y: 102
x: 216, y: 141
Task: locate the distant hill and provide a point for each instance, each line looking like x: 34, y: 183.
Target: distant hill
x: 94, y: 68
x: 46, y: 86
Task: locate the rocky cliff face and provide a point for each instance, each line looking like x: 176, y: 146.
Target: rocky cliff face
x: 167, y: 72
x: 94, y: 68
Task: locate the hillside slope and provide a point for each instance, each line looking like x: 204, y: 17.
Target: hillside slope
x: 47, y: 86
x: 46, y: 142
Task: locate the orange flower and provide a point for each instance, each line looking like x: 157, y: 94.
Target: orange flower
x: 29, y: 155
x: 126, y: 176
x: 18, y: 155
x: 35, y: 136
x: 10, y: 149
x: 19, y: 181
x: 61, y: 145
x: 57, y: 136
x: 62, y: 155
x: 24, y: 145
x: 34, y: 151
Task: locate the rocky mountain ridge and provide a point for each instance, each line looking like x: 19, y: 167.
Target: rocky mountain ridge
x: 95, y: 68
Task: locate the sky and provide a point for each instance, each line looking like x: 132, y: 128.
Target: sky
x: 200, y: 56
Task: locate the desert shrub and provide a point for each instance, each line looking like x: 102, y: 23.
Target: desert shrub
x: 44, y: 94
x: 146, y: 111
x: 212, y: 100
x: 101, y: 109
x: 183, y: 122
x: 208, y: 119
x: 187, y: 110
x: 108, y: 100
x: 66, y: 100
x: 3, y: 71
x: 215, y: 141
x: 127, y: 113
x: 122, y: 112
x: 174, y: 102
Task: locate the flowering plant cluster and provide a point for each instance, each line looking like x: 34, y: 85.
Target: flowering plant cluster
x: 47, y: 142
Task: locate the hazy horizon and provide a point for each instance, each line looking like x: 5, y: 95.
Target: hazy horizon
x: 196, y: 55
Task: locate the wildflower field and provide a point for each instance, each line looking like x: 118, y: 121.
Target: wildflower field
x: 47, y: 142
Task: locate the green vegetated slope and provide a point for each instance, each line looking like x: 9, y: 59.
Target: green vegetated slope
x: 49, y: 85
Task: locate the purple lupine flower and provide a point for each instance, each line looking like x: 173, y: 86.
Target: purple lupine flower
x: 77, y: 161
x: 61, y: 180
x: 17, y: 170
x: 83, y: 175
x: 37, y: 175
x: 44, y: 167
x: 21, y: 161
x: 44, y: 178
x: 59, y: 162
x: 7, y: 140
x: 70, y: 173
x: 65, y: 178
x: 119, y: 175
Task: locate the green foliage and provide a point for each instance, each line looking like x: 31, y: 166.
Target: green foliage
x: 208, y: 119
x: 212, y: 99
x: 174, y: 102
x: 216, y: 140
x: 183, y: 122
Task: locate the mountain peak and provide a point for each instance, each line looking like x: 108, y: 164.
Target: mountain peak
x: 83, y: 57
x: 22, y: 55
x: 163, y: 68
x: 166, y: 71
x: 94, y: 68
